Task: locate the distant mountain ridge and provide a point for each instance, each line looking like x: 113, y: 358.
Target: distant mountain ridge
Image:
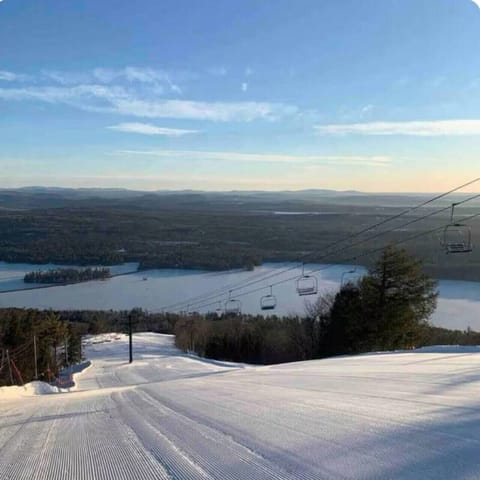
x: 34, y: 197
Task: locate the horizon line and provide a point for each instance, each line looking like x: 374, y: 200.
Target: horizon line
x: 240, y: 190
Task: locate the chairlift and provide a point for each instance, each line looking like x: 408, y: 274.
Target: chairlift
x: 219, y: 310
x: 306, y: 284
x: 268, y: 302
x: 232, y: 306
x: 457, y: 237
x: 349, y: 276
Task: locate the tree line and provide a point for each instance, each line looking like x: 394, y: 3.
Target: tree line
x: 67, y: 275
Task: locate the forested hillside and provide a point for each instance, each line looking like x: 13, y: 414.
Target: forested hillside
x: 218, y: 232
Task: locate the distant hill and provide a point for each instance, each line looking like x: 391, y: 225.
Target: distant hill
x: 56, y: 197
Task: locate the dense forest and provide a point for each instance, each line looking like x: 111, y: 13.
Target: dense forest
x: 67, y: 275
x: 26, y: 335
x: 222, y: 232
x: 259, y: 340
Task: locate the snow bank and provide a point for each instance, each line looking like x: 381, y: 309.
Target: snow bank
x: 42, y: 388
x: 220, y: 363
x: 28, y: 390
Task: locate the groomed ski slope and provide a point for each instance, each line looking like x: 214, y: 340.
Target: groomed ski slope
x: 413, y: 415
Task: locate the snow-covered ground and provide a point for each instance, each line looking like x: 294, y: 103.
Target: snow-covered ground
x: 412, y: 415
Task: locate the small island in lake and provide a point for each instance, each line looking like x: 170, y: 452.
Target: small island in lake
x: 67, y: 275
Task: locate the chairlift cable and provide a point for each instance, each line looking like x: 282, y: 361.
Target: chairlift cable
x: 348, y: 247
x: 370, y: 252
x: 241, y: 284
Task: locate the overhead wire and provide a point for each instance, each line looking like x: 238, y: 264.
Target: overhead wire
x: 238, y: 285
x: 326, y: 267
x: 19, y: 351
x: 214, y: 293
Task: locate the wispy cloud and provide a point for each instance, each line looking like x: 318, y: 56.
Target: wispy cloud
x: 149, y: 76
x: 148, y: 129
x: 160, y: 81
x: 8, y: 76
x: 433, y: 128
x: 131, y: 74
x: 11, y: 76
x: 306, y: 160
x: 135, y: 92
x: 121, y: 100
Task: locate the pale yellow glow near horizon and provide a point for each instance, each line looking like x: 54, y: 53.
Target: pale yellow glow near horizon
x: 367, y: 181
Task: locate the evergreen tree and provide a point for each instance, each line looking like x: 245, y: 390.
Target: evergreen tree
x: 398, y: 298
x: 347, y: 328
x: 385, y: 310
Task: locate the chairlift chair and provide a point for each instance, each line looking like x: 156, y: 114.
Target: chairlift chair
x: 306, y: 284
x: 349, y: 276
x: 219, y: 310
x: 457, y: 237
x: 232, y: 306
x: 268, y: 302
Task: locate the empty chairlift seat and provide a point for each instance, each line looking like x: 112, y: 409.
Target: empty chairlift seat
x: 219, y: 310
x: 268, y: 302
x: 307, y: 284
x: 350, y: 277
x: 457, y: 237
x: 232, y: 306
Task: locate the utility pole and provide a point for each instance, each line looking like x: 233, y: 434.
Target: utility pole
x: 130, y: 349
x: 9, y: 368
x: 35, y: 356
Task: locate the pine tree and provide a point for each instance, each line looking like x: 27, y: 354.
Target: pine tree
x: 398, y: 298
x: 387, y: 309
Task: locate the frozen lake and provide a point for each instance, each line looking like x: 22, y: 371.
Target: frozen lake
x: 458, y: 306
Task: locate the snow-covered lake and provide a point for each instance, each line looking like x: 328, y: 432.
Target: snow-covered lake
x: 458, y: 306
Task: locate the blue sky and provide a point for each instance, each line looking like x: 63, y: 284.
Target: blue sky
x: 371, y: 95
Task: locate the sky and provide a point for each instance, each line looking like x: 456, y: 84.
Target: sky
x: 254, y: 95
